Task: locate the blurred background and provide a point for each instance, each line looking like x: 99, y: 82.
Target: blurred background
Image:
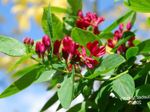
x: 21, y: 18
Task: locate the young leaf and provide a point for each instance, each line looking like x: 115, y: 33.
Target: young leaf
x: 47, y: 22
x: 19, y: 61
x: 57, y: 28
x: 109, y: 63
x: 144, y: 47
x: 82, y: 36
x: 138, y: 5
x: 76, y: 5
x: 46, y: 76
x: 50, y: 102
x: 11, y: 46
x: 124, y: 87
x: 65, y: 93
x: 131, y: 52
x: 118, y: 21
x: 22, y: 82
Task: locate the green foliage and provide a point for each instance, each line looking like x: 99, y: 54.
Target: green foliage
x: 75, y: 5
x: 138, y: 5
x: 47, y: 23
x: 124, y: 87
x: 65, y: 92
x: 144, y: 47
x: 50, y: 102
x: 82, y: 36
x: 131, y: 52
x: 121, y: 81
x: 118, y: 21
x: 11, y: 46
x: 23, y: 82
x: 109, y: 63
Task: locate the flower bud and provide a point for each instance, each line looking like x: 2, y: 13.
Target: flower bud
x: 28, y: 41
x: 40, y: 49
x: 121, y: 27
x: 56, y: 47
x: 46, y: 41
x: 129, y: 26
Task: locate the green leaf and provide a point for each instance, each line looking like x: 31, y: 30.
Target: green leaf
x: 126, y: 36
x: 50, y: 102
x: 65, y: 93
x: 76, y: 5
x: 106, y: 35
x: 143, y: 72
x: 22, y: 82
x: 80, y: 107
x: 109, y: 63
x: 118, y: 21
x: 148, y: 104
x: 47, y: 23
x: 83, y: 36
x: 19, y: 61
x: 138, y: 5
x: 144, y: 46
x: 131, y: 52
x: 57, y: 28
x: 11, y: 46
x: 46, y: 76
x: 124, y: 87
x: 25, y: 70
x: 143, y: 91
x: 58, y: 10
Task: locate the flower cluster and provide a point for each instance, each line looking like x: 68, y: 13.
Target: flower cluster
x: 75, y: 54
x: 42, y: 47
x: 118, y: 35
x: 90, y: 19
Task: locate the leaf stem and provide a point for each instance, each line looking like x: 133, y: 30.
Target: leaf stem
x: 119, y: 75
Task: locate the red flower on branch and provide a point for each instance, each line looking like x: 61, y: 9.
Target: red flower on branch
x: 90, y: 19
x: 95, y: 49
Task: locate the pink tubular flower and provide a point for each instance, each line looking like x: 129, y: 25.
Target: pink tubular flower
x: 46, y: 41
x: 95, y: 49
x: 69, y: 47
x: 90, y: 19
x: 40, y: 49
x: 28, y: 41
x: 90, y: 62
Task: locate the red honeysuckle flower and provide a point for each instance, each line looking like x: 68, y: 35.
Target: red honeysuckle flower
x: 95, y: 49
x: 40, y: 49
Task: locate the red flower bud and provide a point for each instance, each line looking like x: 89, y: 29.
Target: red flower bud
x: 46, y: 41
x: 129, y: 26
x: 95, y: 49
x: 121, y: 26
x: 56, y: 47
x: 40, y: 49
x: 28, y: 41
